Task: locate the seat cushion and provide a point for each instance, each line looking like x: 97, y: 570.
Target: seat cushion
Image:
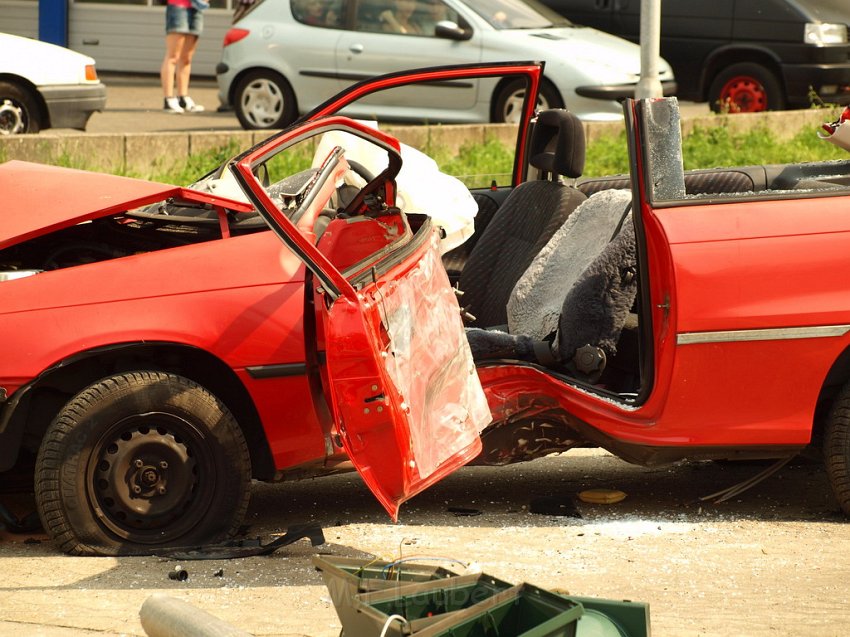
x: 597, y: 306
x: 535, y: 302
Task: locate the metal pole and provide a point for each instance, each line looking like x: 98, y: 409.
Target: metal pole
x: 650, y: 50
x: 164, y: 616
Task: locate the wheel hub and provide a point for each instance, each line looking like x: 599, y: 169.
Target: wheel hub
x: 263, y: 103
x: 744, y: 94
x: 147, y: 478
x: 11, y: 118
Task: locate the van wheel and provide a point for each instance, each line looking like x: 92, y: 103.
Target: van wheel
x: 264, y: 99
x: 139, y: 463
x: 509, y: 101
x: 836, y: 448
x: 745, y: 88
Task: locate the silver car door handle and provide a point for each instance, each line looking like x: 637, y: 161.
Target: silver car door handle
x: 356, y: 48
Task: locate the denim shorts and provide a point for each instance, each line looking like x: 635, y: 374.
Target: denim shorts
x: 181, y: 20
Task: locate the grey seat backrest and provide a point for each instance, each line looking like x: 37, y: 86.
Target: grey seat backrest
x: 527, y: 219
x: 596, y: 308
x: 535, y: 302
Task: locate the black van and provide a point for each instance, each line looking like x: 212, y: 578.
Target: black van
x: 740, y: 55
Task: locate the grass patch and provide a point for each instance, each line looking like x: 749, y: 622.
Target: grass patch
x: 711, y: 147
x: 716, y: 147
x: 478, y: 165
x: 193, y: 168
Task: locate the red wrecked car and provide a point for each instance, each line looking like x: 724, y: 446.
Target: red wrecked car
x: 165, y: 345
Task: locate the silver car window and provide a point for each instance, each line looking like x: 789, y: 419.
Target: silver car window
x: 517, y: 14
x: 319, y: 13
x: 402, y: 17
x: 430, y: 12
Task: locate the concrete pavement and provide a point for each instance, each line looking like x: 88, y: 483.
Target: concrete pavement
x: 134, y: 104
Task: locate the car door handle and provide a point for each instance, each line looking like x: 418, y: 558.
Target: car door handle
x: 356, y: 48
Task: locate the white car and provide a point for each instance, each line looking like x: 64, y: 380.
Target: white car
x: 45, y: 86
x: 285, y: 57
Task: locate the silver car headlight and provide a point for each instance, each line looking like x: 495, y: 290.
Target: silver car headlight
x: 823, y: 33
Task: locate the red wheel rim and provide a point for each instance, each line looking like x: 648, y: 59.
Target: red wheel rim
x: 743, y: 94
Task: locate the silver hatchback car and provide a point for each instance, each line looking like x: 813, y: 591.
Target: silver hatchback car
x: 285, y: 57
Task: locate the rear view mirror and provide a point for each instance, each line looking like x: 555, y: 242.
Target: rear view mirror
x: 451, y: 31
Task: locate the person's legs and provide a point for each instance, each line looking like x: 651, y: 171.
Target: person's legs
x: 176, y: 28
x: 173, y: 46
x: 184, y: 63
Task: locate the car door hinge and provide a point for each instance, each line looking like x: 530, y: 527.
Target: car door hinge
x: 665, y: 306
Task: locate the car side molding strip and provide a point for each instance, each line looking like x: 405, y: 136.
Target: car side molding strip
x: 773, y: 334
x: 277, y: 371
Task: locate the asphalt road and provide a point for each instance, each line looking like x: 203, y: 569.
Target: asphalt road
x: 134, y: 104
x: 771, y: 562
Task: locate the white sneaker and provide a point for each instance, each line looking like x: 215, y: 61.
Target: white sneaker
x: 189, y: 105
x: 172, y: 105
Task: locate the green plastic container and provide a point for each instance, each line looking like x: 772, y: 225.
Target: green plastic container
x: 350, y: 576
x: 420, y: 604
x: 432, y: 598
x: 609, y: 618
x: 521, y: 611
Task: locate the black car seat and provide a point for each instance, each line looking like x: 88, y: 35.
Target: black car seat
x: 527, y: 219
x: 593, y: 315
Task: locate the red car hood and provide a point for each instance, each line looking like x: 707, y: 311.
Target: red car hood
x: 38, y: 199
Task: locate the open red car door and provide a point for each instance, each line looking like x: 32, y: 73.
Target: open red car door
x: 407, y: 402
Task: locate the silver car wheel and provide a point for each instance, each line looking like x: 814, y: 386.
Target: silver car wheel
x: 262, y: 103
x: 11, y: 118
x: 512, y: 110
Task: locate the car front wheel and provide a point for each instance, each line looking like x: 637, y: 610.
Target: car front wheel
x: 141, y: 462
x: 509, y: 101
x: 264, y: 99
x: 745, y: 88
x: 18, y: 110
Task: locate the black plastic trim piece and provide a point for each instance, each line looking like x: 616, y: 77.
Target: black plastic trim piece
x: 281, y: 370
x: 620, y: 91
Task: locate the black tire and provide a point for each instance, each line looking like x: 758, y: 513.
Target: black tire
x: 141, y: 462
x: 836, y: 449
x: 745, y: 88
x: 19, y: 111
x: 507, y: 107
x: 264, y: 99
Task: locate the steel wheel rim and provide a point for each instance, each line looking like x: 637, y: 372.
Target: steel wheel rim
x: 12, y: 118
x: 744, y: 94
x: 262, y: 103
x: 151, y: 478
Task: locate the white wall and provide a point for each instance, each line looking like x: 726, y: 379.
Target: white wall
x: 19, y: 17
x: 122, y: 38
x: 132, y: 39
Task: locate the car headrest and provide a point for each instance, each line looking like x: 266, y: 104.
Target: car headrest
x: 557, y: 143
